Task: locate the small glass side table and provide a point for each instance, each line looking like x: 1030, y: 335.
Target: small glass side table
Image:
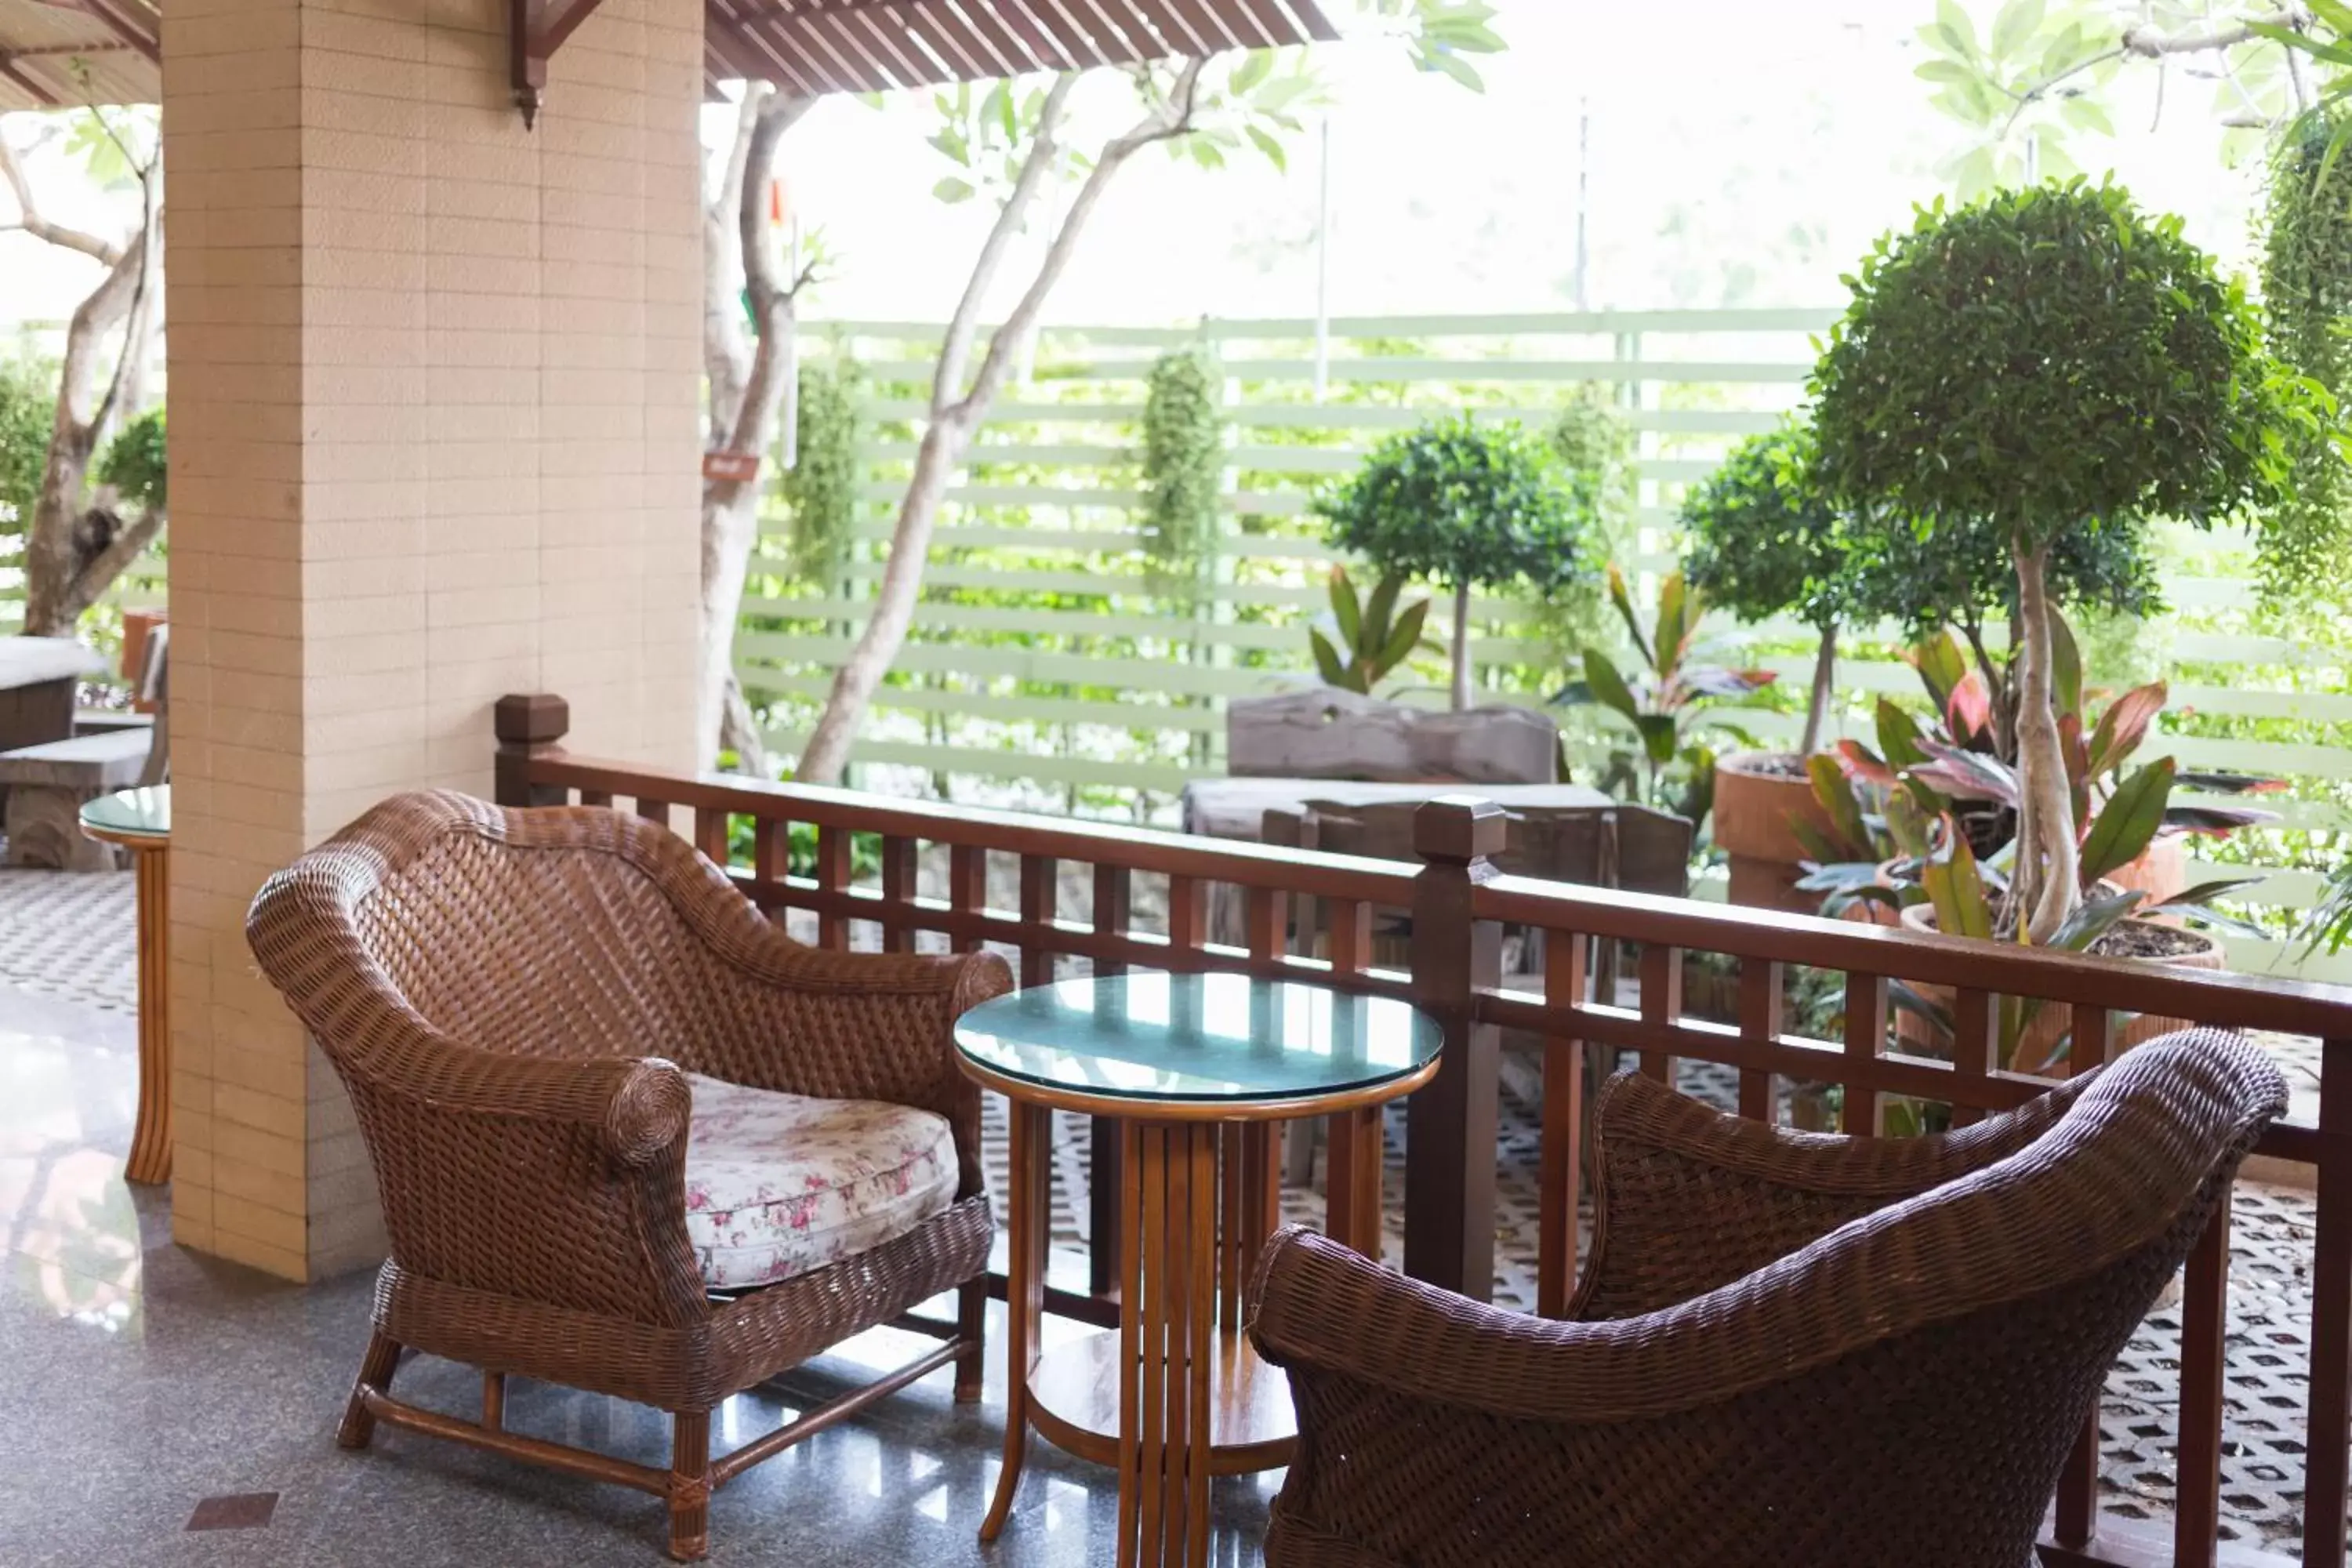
x: 141, y: 821
x: 1196, y: 1069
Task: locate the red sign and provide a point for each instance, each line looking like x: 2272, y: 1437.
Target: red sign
x: 743, y: 467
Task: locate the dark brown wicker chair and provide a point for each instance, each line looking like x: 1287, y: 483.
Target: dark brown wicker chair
x: 1787, y: 1349
x: 514, y: 999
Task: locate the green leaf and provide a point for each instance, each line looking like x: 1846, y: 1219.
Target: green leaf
x: 2017, y: 23
x: 2092, y: 920
x: 1661, y: 736
x: 1455, y: 67
x: 1959, y: 33
x: 1836, y: 797
x: 2127, y: 823
x: 1256, y: 67
x: 1265, y: 143
x: 1898, y: 737
x: 1942, y: 71
x: 1406, y: 639
x: 1677, y: 615
x: 1608, y: 688
x: 1381, y: 611
x: 952, y: 189
x: 1622, y: 598
x: 1344, y: 609
x: 1328, y: 663
x: 2065, y: 666
x: 1956, y: 887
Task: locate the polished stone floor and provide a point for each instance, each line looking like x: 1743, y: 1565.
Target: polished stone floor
x: 138, y: 1380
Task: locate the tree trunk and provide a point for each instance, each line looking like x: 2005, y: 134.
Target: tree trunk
x: 747, y: 386
x: 957, y: 415
x: 1817, y: 706
x: 826, y: 756
x: 2046, y: 879
x: 1461, y: 646
x: 65, y: 537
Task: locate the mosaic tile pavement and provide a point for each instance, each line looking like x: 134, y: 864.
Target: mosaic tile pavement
x: 72, y: 936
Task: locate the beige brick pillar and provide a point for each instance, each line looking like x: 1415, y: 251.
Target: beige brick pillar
x: 433, y: 383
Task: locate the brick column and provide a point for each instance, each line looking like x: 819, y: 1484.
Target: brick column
x: 434, y: 386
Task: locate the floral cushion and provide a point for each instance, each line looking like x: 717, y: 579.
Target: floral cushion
x: 777, y: 1184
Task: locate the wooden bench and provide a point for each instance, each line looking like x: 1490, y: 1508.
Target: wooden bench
x: 47, y: 784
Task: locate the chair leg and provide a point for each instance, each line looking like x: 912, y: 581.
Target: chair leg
x: 689, y: 1487
x: 376, y: 1368
x: 971, y: 1327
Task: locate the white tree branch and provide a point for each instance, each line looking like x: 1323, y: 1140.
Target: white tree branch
x: 1044, y: 152
x: 13, y: 169
x: 1174, y: 117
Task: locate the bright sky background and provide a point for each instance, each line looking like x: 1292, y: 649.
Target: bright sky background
x: 1741, y: 153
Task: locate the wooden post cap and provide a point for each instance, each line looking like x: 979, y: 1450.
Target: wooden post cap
x: 537, y: 719
x: 1455, y: 829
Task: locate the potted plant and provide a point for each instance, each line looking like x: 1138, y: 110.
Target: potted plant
x: 1464, y: 506
x: 1762, y: 540
x: 1366, y: 639
x: 2051, y: 364
x: 1669, y: 702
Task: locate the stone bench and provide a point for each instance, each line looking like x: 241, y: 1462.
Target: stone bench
x: 46, y: 786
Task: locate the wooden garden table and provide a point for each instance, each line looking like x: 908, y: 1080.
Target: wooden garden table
x: 1195, y: 1069
x: 141, y: 821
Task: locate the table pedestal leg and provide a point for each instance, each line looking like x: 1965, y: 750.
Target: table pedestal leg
x: 1351, y: 1188
x: 151, y: 1141
x: 1029, y: 1151
x: 1168, y: 1327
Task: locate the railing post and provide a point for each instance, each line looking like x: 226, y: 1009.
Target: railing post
x: 528, y: 726
x: 1449, y: 1190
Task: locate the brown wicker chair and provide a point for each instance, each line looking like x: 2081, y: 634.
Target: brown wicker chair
x: 514, y: 999
x: 1787, y: 1349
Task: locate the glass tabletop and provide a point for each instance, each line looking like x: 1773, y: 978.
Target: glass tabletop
x: 145, y: 813
x: 1199, y: 1038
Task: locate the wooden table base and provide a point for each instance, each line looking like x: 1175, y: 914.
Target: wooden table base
x: 1177, y: 1396
x: 151, y: 1141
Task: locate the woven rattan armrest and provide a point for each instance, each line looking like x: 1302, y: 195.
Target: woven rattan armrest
x: 2063, y: 1206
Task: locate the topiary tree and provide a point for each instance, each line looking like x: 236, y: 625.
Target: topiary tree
x: 1764, y: 539
x: 1464, y: 506
x: 2052, y: 364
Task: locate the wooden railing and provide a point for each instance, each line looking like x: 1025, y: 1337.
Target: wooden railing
x: 1459, y: 906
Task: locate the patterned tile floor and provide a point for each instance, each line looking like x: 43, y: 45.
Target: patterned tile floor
x: 71, y: 937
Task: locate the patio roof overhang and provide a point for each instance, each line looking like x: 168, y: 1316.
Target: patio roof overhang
x: 55, y: 53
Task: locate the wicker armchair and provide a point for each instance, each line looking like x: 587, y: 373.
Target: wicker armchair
x: 515, y: 999
x: 1787, y: 1349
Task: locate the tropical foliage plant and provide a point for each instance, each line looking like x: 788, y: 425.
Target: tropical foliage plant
x: 1183, y: 463
x: 1673, y: 701
x: 1466, y: 506
x: 2306, y: 273
x: 820, y: 489
x: 1366, y: 640
x: 2145, y: 392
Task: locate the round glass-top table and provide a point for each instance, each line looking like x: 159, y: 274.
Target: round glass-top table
x: 1197, y: 1070
x: 141, y: 821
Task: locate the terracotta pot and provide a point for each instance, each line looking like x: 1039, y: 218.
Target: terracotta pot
x: 136, y: 626
x: 2161, y: 870
x: 1754, y: 807
x: 2041, y: 1037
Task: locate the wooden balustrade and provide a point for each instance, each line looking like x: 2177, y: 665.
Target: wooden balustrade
x: 1459, y: 908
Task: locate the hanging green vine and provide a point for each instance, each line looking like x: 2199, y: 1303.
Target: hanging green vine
x: 820, y: 490
x: 1183, y: 467
x: 2307, y: 309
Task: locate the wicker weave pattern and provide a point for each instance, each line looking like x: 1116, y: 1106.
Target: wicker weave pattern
x: 1901, y: 1387
x: 505, y: 992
